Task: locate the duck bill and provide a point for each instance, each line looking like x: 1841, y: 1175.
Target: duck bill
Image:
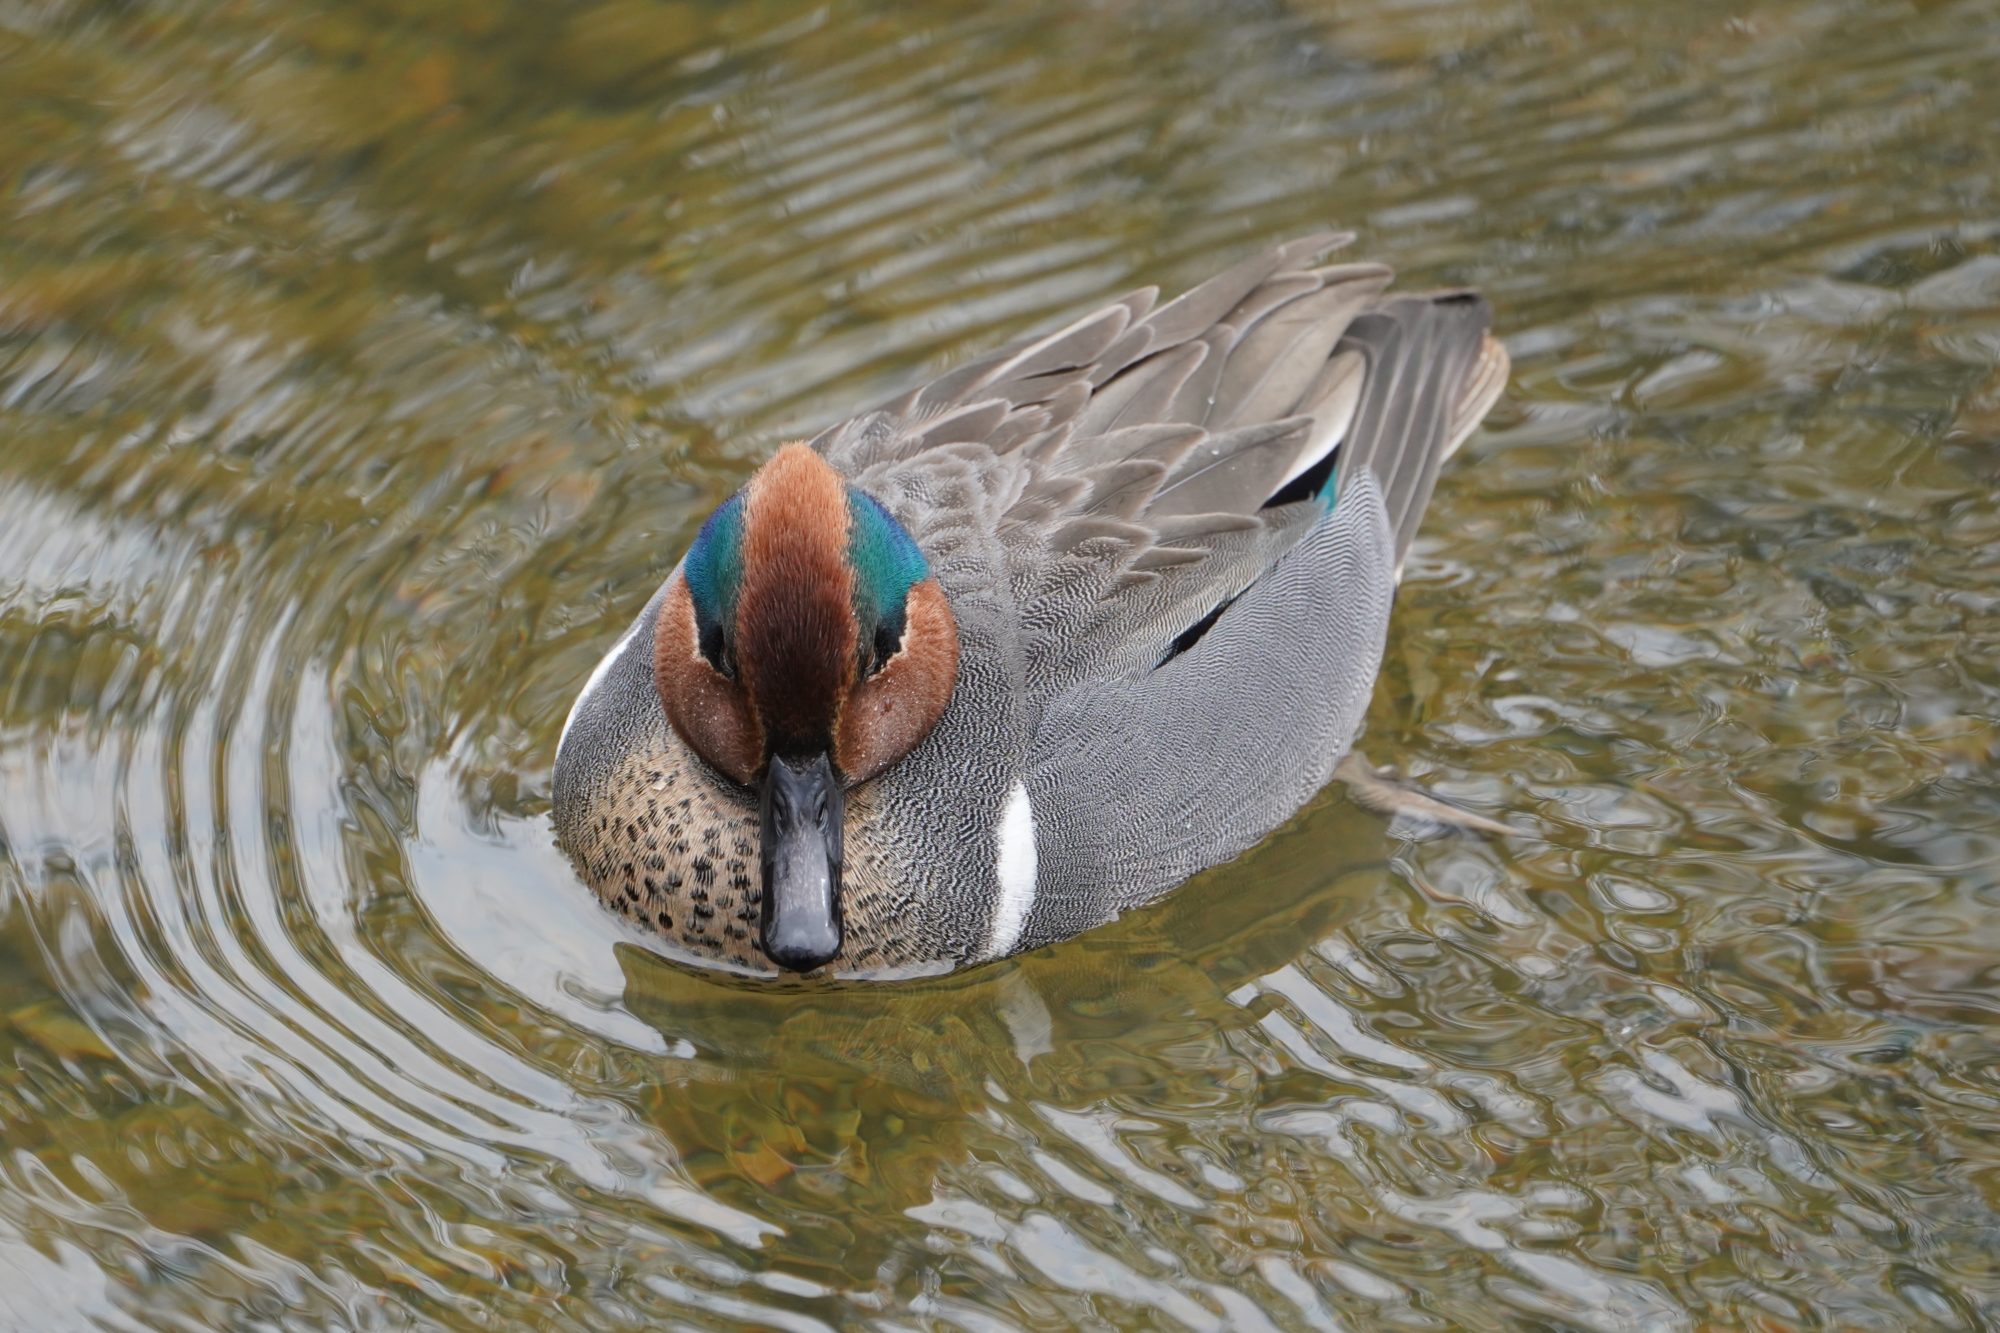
x: 803, y: 809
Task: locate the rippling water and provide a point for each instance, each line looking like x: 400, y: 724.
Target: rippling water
x: 364, y: 366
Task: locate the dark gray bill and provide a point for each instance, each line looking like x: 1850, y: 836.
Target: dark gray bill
x: 803, y: 809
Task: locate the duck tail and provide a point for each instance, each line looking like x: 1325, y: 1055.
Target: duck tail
x: 1432, y: 372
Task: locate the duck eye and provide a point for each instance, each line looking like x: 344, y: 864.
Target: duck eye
x: 715, y: 650
x: 886, y: 644
x: 888, y: 639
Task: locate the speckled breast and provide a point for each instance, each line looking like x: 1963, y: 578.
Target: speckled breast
x: 672, y: 848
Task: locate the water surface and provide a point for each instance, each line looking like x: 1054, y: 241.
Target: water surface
x: 364, y: 366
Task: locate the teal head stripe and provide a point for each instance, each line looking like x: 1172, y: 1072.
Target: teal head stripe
x: 887, y: 564
x: 714, y: 567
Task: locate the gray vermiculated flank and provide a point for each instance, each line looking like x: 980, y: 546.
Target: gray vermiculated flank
x: 1212, y: 750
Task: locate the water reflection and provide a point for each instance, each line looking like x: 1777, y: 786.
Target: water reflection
x: 363, y: 367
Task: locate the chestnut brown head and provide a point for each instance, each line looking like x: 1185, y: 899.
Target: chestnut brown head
x: 803, y: 647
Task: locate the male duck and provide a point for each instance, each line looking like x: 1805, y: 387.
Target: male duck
x: 1032, y: 644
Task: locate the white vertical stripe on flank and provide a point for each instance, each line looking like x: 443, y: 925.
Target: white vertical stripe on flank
x: 1015, y: 868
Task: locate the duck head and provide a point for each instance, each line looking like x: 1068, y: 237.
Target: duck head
x: 803, y: 648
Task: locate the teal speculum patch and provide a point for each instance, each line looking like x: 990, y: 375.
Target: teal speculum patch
x: 714, y: 573
x: 887, y: 564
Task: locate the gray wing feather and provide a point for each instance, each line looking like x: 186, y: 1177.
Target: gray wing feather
x: 1233, y: 471
x: 1195, y: 311
x: 1276, y: 363
x: 1196, y: 396
x: 1143, y: 393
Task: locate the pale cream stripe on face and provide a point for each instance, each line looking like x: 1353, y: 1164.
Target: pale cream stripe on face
x: 1014, y: 867
x: 597, y: 675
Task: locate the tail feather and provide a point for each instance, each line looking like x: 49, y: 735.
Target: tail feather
x: 1489, y: 378
x: 1430, y: 378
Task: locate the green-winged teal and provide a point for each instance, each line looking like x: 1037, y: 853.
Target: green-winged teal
x: 1032, y: 644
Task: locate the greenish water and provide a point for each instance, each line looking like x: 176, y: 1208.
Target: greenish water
x: 364, y: 366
